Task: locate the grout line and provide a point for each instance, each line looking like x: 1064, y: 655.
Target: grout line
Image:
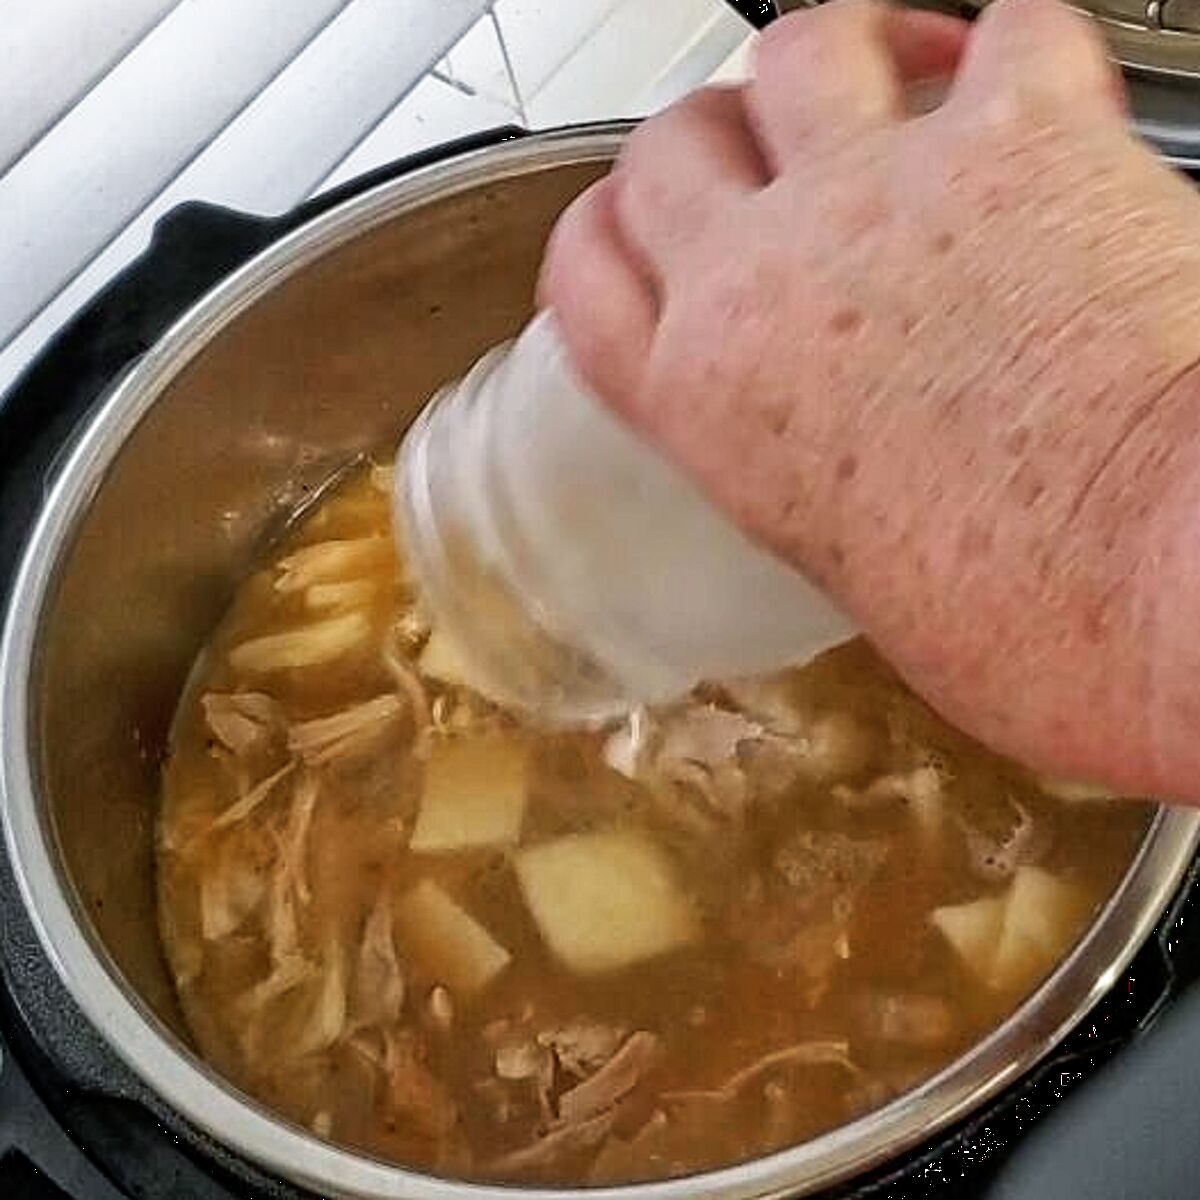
x: 494, y: 17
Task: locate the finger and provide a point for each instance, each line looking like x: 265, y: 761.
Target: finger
x: 1038, y: 56
x: 681, y: 171
x: 604, y: 305
x: 827, y: 76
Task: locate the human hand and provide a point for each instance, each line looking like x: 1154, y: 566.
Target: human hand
x: 945, y: 364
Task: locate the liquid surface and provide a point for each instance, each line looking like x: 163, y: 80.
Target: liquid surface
x: 419, y: 929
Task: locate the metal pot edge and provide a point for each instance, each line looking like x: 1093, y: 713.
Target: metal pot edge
x: 212, y: 1105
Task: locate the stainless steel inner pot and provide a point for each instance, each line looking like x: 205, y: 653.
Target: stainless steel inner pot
x: 323, y: 346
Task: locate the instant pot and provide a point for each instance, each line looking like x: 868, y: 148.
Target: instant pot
x: 142, y: 456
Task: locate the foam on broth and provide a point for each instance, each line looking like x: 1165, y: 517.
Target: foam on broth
x: 419, y: 929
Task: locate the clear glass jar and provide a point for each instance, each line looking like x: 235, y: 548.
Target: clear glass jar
x: 579, y: 573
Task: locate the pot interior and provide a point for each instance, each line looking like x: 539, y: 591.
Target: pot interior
x: 335, y: 361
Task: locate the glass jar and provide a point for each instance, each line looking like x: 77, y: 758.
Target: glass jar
x: 576, y: 571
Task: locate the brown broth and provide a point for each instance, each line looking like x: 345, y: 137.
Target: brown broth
x: 811, y: 868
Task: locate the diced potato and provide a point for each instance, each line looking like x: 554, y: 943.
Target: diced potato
x: 605, y: 900
x: 1073, y: 791
x: 474, y: 794
x: 973, y: 931
x: 442, y: 660
x: 446, y: 941
x: 307, y: 646
x: 353, y: 593
x: 327, y: 562
x: 1010, y: 940
x: 1041, y: 918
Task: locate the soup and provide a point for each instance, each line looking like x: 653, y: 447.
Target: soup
x: 421, y: 929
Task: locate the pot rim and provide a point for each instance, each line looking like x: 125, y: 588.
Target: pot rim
x: 188, y: 1085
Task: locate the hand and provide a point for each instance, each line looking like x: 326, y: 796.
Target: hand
x: 946, y: 364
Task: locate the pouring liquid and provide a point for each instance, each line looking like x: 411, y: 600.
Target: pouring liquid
x: 576, y: 571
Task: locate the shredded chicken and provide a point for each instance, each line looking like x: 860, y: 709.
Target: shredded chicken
x: 287, y: 974
x: 582, y: 1046
x: 409, y: 684
x: 802, y: 1054
x: 243, y: 807
x: 379, y: 980
x: 557, y: 1144
x: 293, y: 845
x: 344, y: 734
x: 231, y: 889
x: 243, y: 722
x: 282, y: 926
x: 415, y: 1092
x: 326, y: 1019
x: 332, y: 561
x: 616, y: 1079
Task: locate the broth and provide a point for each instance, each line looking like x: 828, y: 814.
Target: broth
x: 420, y: 929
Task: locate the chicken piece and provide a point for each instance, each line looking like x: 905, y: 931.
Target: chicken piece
x: 325, y: 1019
x: 582, y: 1046
x: 613, y: 1081
x: 241, y: 808
x: 554, y: 1147
x: 233, y: 884
x: 332, y: 562
x: 378, y: 979
x: 413, y: 1091
x: 345, y: 734
x: 603, y: 901
x: 243, y: 722
x: 813, y: 1053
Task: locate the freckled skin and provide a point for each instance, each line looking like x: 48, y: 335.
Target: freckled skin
x: 946, y: 365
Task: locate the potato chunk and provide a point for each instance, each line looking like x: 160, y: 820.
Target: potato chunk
x: 446, y: 941
x: 1011, y: 940
x: 605, y: 900
x: 973, y: 931
x: 1041, y: 919
x: 474, y: 794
